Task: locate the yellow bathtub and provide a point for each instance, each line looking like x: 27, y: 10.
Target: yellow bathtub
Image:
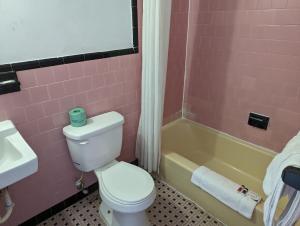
x: 187, y: 145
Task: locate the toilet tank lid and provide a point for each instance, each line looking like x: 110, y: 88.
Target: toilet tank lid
x: 95, y: 125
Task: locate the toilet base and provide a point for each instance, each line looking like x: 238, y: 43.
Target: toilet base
x: 115, y: 218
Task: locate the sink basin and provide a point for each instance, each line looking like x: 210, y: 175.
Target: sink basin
x: 17, y: 159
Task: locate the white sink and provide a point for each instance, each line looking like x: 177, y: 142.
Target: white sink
x: 17, y: 159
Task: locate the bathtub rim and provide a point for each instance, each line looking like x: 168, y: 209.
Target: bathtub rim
x: 224, y: 135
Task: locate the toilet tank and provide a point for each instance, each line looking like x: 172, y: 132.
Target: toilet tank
x: 97, y: 143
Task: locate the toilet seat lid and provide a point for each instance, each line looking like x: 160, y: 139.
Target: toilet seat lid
x: 127, y: 183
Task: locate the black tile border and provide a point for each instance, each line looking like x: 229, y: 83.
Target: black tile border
x: 135, y: 162
x: 5, y: 68
x: 81, y: 57
x: 63, y: 205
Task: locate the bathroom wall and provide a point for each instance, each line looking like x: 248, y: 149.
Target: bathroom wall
x: 40, y: 111
x: 243, y: 56
x: 176, y: 60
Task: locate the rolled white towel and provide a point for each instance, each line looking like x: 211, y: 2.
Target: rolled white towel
x: 225, y: 191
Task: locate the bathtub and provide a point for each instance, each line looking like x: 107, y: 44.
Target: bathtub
x: 187, y: 145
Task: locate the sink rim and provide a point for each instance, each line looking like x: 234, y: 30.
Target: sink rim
x: 27, y: 153
x: 22, y: 167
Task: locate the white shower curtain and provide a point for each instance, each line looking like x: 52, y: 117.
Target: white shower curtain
x: 155, y: 43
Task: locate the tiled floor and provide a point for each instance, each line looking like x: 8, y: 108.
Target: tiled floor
x: 170, y: 208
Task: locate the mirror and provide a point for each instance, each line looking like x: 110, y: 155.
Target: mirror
x: 35, y: 31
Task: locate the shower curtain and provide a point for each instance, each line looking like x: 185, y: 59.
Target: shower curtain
x: 155, y: 44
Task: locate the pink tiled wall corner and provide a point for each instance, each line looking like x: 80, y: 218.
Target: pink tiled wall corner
x: 244, y: 56
x: 176, y: 60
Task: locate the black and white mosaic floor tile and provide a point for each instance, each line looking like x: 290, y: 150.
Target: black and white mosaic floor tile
x: 170, y: 208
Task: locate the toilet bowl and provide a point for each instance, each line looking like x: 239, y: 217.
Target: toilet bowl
x: 126, y: 190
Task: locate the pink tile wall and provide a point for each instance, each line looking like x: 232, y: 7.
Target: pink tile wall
x: 244, y: 55
x: 40, y: 111
x: 176, y: 61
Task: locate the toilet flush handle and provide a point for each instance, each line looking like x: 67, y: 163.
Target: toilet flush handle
x: 84, y: 142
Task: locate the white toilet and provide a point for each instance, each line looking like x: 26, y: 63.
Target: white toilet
x: 126, y: 190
